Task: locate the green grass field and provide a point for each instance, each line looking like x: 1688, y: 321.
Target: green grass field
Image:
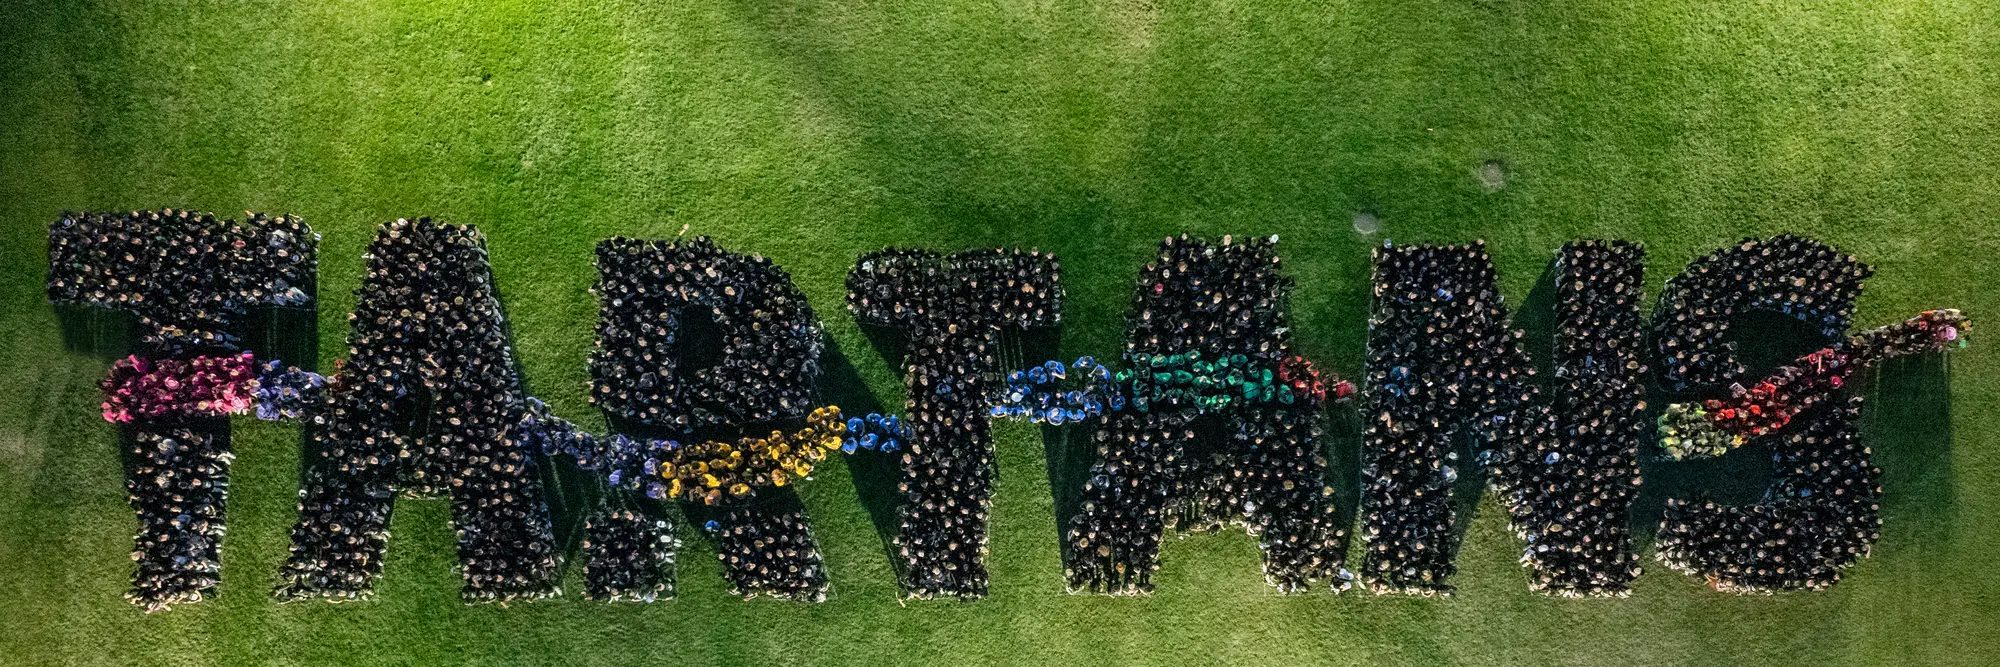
x: 812, y: 131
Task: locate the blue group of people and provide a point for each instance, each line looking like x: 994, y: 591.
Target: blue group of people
x: 951, y: 311
x: 875, y: 432
x: 1040, y: 394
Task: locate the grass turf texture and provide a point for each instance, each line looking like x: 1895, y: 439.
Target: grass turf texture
x: 813, y: 131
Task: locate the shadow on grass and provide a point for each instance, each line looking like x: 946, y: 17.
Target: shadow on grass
x: 99, y: 332
x: 1066, y: 450
x: 1536, y: 319
x: 569, y: 492
x: 288, y: 333
x: 1907, y: 421
x: 1343, y: 447
x: 874, y: 474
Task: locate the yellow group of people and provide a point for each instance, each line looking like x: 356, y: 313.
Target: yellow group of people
x: 713, y: 471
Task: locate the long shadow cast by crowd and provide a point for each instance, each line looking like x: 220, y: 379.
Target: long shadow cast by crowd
x: 570, y: 492
x: 98, y: 332
x: 874, y: 474
x: 1065, y: 449
x: 1536, y: 319
x: 1907, y: 421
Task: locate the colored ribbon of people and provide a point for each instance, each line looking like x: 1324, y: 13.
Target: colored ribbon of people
x: 727, y: 440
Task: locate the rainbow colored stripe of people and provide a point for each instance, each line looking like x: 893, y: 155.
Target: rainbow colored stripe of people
x: 429, y: 401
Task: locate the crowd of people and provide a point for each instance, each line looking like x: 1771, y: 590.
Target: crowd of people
x: 1040, y: 393
x: 180, y: 454
x: 648, y: 370
x: 1277, y: 488
x: 426, y: 320
x: 1570, y: 493
x: 1208, y: 331
x: 179, y: 487
x: 1796, y: 276
x: 1822, y: 514
x: 189, y: 277
x: 713, y: 471
x: 631, y: 551
x: 769, y: 362
x: 628, y: 555
x: 875, y: 432
x: 769, y: 550
x: 620, y: 459
x: 709, y: 472
x: 951, y: 310
x: 1443, y: 365
x: 191, y: 280
x: 169, y: 390
x: 286, y: 391
x: 1207, y: 337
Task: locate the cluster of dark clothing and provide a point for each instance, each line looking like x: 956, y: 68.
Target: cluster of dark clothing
x: 629, y: 555
x: 1796, y: 276
x: 191, y: 279
x: 1215, y: 422
x: 179, y: 486
x: 950, y: 310
x: 1570, y: 493
x: 652, y: 293
x: 1821, y: 514
x: 1162, y: 466
x: 425, y: 402
x: 1443, y: 369
x: 768, y: 549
